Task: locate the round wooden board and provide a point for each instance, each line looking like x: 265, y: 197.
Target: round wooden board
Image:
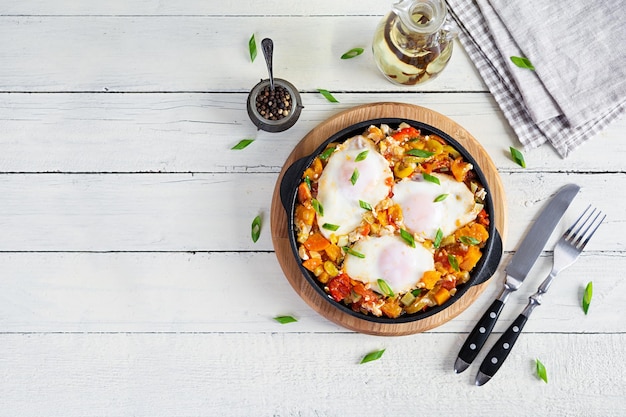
x: 280, y: 233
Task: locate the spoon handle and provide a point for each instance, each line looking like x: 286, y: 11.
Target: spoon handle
x: 268, y: 51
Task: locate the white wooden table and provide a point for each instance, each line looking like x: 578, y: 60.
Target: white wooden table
x: 129, y: 284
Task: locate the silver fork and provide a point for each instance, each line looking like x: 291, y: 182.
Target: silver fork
x: 566, y: 251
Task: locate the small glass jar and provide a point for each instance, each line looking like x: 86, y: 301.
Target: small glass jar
x: 274, y: 111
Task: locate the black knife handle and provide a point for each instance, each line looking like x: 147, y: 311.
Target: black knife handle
x: 477, y: 338
x: 499, y: 352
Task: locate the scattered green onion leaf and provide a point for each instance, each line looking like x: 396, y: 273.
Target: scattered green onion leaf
x: 242, y: 144
x: 307, y: 180
x: 416, y: 292
x: 431, y: 178
x: 256, y: 228
x: 352, y: 53
x: 317, y: 206
x: 420, y: 153
x: 385, y: 288
x: 285, y: 319
x: 327, y: 153
x: 329, y: 226
x: 408, y: 237
x: 522, y: 62
x: 355, y: 176
x: 587, y: 296
x: 468, y: 240
x: 252, y: 47
x: 361, y: 156
x: 372, y: 356
x: 541, y: 371
x: 352, y: 252
x: 453, y: 262
x: 518, y: 157
x: 327, y: 95
x: 438, y: 238
x: 365, y: 206
x: 440, y: 198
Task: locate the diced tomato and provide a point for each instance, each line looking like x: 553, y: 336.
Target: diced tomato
x: 483, y: 218
x: 366, y: 229
x: 448, y: 284
x: 406, y: 133
x: 339, y: 287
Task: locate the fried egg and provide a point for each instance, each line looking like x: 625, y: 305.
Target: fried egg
x: 355, y: 172
x: 427, y: 206
x: 390, y: 258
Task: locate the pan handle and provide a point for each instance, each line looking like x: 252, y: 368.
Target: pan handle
x: 291, y: 180
x: 491, y: 265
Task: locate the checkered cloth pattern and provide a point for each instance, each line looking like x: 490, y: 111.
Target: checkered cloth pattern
x: 532, y: 111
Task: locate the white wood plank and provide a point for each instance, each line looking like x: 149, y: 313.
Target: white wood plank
x: 214, y: 212
x: 194, y: 133
x: 240, y: 293
x: 136, y: 53
x: 300, y: 374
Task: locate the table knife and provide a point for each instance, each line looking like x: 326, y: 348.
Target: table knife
x: 516, y: 271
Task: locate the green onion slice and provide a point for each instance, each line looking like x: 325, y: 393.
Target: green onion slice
x: 329, y: 226
x: 327, y: 153
x: 453, y: 262
x: 252, y: 47
x: 385, y: 288
x: 285, y: 319
x: 361, y: 156
x: 438, y: 238
x: 352, y: 252
x: 372, y: 356
x: 317, y: 206
x: 352, y: 53
x: 416, y: 292
x: 440, y: 198
x: 420, y: 153
x: 522, y: 62
x: 307, y: 180
x: 518, y: 157
x: 587, y: 296
x: 365, y: 206
x: 355, y: 176
x: 468, y: 240
x: 541, y: 371
x: 242, y: 144
x: 256, y: 228
x: 408, y: 238
x: 327, y: 95
x: 431, y: 178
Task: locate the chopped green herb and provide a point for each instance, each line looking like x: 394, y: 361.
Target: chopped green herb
x: 328, y: 96
x: 242, y: 144
x: 416, y: 292
x: 587, y: 296
x: 385, y: 288
x: 327, y: 153
x: 285, y: 319
x: 438, y: 238
x: 329, y: 226
x: 541, y: 371
x: 364, y: 205
x: 440, y: 198
x: 468, y: 240
x: 372, y: 356
x: 256, y: 228
x: 317, y: 206
x: 420, y: 153
x: 355, y: 176
x: 361, y: 156
x: 307, y: 180
x: 408, y: 237
x: 453, y: 262
x: 352, y: 252
x: 352, y: 53
x: 431, y: 178
x: 522, y: 62
x: 252, y: 47
x: 518, y: 157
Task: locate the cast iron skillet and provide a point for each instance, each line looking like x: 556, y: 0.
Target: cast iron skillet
x: 492, y: 251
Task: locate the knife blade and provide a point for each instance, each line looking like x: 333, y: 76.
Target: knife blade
x: 521, y: 263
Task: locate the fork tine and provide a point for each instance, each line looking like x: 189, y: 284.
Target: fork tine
x: 568, y: 235
x: 594, y: 229
x: 580, y: 237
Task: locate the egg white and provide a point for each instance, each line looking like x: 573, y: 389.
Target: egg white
x: 339, y: 197
x: 389, y: 258
x: 423, y: 215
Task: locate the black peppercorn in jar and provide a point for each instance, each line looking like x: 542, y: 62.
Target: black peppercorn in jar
x: 274, y: 110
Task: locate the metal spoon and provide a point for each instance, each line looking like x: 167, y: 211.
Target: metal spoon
x: 268, y: 51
